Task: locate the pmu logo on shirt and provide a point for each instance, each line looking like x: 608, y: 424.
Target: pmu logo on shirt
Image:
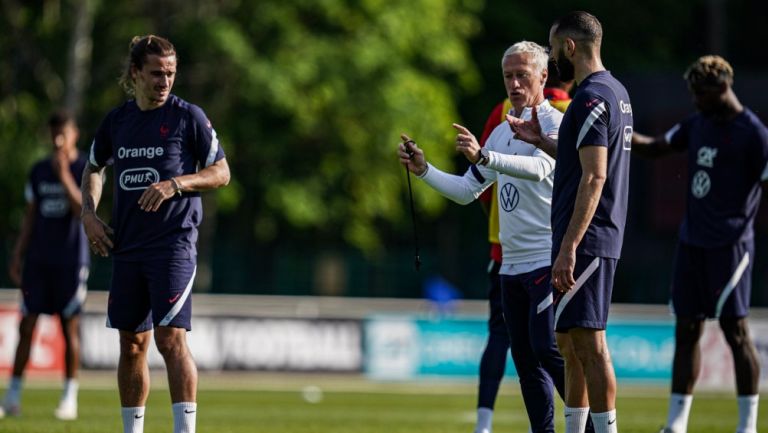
x: 138, y: 178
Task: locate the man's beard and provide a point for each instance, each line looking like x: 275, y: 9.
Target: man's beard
x: 565, y: 70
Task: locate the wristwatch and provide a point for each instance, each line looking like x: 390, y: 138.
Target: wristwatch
x: 485, y: 156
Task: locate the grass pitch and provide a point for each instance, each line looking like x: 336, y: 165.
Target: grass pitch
x: 319, y: 404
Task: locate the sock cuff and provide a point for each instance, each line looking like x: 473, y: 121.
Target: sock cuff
x: 750, y: 398
x: 576, y: 409
x: 185, y: 405
x: 134, y: 409
x: 685, y: 397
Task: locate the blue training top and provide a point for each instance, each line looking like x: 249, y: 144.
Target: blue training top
x: 146, y: 147
x: 727, y: 161
x: 600, y: 115
x: 56, y: 236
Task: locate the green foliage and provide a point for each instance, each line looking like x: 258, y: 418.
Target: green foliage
x: 314, y: 96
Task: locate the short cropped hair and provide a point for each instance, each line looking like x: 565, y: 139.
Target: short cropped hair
x: 709, y: 70
x: 538, y: 53
x: 60, y: 118
x: 580, y: 26
x: 138, y: 50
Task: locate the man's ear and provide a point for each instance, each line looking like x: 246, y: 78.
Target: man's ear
x: 570, y: 46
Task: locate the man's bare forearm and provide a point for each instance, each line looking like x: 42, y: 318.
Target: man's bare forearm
x: 587, y: 198
x: 92, y: 184
x: 211, y: 177
x: 548, y: 145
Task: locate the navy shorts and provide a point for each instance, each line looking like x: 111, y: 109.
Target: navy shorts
x: 712, y: 282
x: 53, y: 289
x: 587, y: 304
x: 151, y: 293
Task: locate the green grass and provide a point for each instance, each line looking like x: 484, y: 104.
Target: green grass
x: 383, y: 408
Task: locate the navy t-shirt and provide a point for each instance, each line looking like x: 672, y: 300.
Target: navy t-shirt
x: 146, y: 147
x: 56, y: 236
x: 727, y: 161
x: 599, y: 115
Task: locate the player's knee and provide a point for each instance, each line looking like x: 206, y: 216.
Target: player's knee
x: 687, y: 332
x: 171, y: 344
x: 27, y: 327
x: 735, y: 331
x: 133, y: 345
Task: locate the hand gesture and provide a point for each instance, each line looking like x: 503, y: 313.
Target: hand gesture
x: 156, y: 194
x: 467, y: 144
x: 98, y: 234
x: 526, y: 130
x: 60, y: 163
x: 411, y: 156
x: 562, y: 271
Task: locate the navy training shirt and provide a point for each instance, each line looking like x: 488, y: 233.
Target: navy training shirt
x: 727, y: 161
x: 146, y: 147
x: 57, y: 236
x: 599, y: 115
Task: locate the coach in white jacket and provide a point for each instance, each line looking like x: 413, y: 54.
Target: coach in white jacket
x: 525, y: 176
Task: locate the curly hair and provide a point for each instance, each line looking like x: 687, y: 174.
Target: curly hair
x: 138, y: 50
x: 709, y: 70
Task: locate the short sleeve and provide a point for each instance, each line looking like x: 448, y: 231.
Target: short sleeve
x: 205, y: 142
x: 677, y: 136
x: 590, y: 114
x: 101, y: 147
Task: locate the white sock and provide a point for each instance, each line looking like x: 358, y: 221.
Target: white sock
x: 484, y: 420
x: 69, y: 394
x: 747, y: 413
x: 13, y: 395
x: 576, y: 419
x: 679, y: 409
x: 184, y: 416
x: 133, y: 419
x: 605, y: 422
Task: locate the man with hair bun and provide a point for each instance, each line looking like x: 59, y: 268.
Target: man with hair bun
x: 164, y: 151
x: 727, y: 149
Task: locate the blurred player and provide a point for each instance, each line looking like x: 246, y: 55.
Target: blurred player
x: 50, y: 260
x: 524, y: 174
x: 494, y: 359
x: 589, y: 206
x: 727, y: 149
x: 163, y: 151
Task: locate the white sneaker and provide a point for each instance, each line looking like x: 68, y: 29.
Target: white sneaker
x: 67, y: 411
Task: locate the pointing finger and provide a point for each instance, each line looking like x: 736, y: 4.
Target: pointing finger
x: 461, y: 129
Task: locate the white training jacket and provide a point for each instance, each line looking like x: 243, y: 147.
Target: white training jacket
x: 525, y: 175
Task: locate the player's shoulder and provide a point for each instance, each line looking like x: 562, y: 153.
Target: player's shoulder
x: 193, y: 111
x: 754, y: 121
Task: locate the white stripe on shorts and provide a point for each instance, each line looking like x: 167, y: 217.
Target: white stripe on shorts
x: 545, y: 303
x: 79, y: 298
x: 579, y: 282
x: 732, y: 284
x: 180, y: 302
